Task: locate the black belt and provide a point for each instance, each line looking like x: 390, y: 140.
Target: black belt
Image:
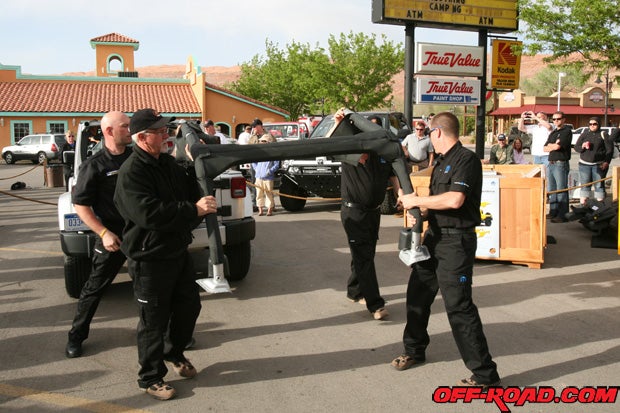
x: 452, y: 231
x: 358, y: 206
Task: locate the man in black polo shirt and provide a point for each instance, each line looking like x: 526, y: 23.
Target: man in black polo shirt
x: 93, y: 201
x: 453, y: 210
x: 558, y: 146
x: 362, y: 190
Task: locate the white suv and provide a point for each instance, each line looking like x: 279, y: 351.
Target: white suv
x: 577, y: 132
x: 235, y: 222
x: 36, y: 148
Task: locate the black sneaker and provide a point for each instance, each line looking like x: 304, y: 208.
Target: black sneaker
x: 73, y: 349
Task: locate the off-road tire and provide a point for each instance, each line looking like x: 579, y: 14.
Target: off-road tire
x: 388, y: 206
x: 77, y: 271
x: 288, y: 187
x: 239, y: 258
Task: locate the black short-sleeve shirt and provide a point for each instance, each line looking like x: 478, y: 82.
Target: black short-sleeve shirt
x: 365, y: 184
x: 458, y: 170
x: 95, y: 186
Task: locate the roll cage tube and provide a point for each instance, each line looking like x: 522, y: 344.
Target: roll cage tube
x: 353, y: 135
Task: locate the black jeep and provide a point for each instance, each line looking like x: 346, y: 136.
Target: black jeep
x: 320, y: 177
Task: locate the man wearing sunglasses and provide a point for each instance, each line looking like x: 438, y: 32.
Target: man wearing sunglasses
x: 453, y: 211
x: 161, y: 205
x: 418, y: 147
x: 596, y: 149
x: 558, y: 146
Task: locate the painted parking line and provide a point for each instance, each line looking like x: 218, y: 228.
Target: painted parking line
x: 65, y: 401
x: 59, y: 253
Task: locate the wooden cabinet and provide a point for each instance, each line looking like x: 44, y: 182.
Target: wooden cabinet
x: 523, y: 227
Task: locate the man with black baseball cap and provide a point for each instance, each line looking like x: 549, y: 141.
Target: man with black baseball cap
x: 161, y: 205
x: 501, y: 152
x: 147, y: 119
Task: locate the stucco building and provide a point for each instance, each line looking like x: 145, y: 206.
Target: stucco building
x: 578, y: 109
x: 37, y: 104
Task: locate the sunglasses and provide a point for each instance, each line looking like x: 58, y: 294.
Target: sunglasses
x: 593, y: 124
x: 419, y: 128
x: 554, y: 119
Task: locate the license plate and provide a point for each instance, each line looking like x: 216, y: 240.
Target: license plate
x: 74, y: 223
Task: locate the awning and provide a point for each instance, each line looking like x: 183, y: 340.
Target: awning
x: 548, y: 109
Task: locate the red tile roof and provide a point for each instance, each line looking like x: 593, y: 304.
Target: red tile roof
x: 99, y: 97
x: 113, y: 38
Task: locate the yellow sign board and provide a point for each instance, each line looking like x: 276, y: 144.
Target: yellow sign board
x: 496, y: 15
x: 506, y: 65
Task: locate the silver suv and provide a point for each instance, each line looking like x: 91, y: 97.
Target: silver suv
x: 36, y: 148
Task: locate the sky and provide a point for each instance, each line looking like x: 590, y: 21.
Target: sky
x: 53, y: 36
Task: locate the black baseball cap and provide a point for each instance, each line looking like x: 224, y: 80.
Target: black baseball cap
x: 501, y: 137
x: 148, y: 119
x: 257, y: 122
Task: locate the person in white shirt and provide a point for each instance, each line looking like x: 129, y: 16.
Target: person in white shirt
x: 210, y: 130
x: 244, y: 137
x: 539, y: 127
x: 418, y: 147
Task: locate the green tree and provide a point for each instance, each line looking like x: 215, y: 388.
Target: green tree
x: 568, y: 28
x: 362, y: 70
x: 357, y: 74
x: 545, y: 83
x: 289, y: 78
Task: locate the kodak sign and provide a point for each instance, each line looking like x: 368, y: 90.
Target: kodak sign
x: 506, y: 65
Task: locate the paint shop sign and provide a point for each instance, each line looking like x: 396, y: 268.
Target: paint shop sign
x: 449, y: 91
x: 451, y: 60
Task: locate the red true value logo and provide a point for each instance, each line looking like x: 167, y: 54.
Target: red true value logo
x: 450, y: 88
x: 450, y: 59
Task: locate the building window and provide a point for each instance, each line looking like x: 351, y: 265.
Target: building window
x: 57, y: 127
x: 19, y: 130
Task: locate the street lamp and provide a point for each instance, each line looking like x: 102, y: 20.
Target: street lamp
x: 599, y: 81
x: 560, y: 76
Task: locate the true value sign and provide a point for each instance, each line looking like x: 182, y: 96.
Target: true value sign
x: 452, y: 60
x: 448, y: 91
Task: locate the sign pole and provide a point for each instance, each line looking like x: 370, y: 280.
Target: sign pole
x: 481, y: 108
x: 409, y: 80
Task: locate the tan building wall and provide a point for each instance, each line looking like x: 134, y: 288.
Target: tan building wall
x: 107, y: 52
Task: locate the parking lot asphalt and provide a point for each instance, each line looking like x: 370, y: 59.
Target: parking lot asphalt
x: 287, y: 340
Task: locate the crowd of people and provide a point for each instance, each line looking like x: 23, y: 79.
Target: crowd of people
x: 143, y: 205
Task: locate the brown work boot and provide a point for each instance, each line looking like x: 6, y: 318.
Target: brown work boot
x: 184, y: 369
x: 473, y: 383
x: 161, y: 391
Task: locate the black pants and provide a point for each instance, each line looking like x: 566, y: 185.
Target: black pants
x: 362, y: 229
x: 449, y: 270
x: 67, y: 172
x: 106, y: 266
x: 167, y: 298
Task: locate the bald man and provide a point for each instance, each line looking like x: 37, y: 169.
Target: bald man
x: 93, y: 199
